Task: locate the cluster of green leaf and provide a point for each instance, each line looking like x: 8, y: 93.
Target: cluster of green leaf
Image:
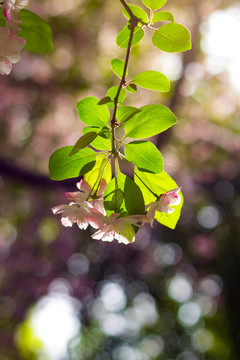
x: 117, y: 133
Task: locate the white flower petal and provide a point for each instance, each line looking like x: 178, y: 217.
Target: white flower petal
x: 101, y: 235
x: 82, y: 224
x: 66, y: 222
x: 5, y: 66
x: 84, y: 186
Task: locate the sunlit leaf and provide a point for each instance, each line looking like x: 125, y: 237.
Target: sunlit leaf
x: 112, y: 92
x: 154, y: 4
x: 132, y: 88
x: 172, y: 38
x: 159, y: 184
x: 62, y: 166
x: 101, y: 142
x: 83, y: 142
x: 91, y: 113
x: 104, y: 100
x: 138, y: 12
x: 162, y: 16
x: 36, y: 32
x: 124, y: 113
x: 123, y: 36
x: 102, y: 167
x: 152, y: 80
x: 118, y: 67
x: 145, y: 156
x: 122, y: 195
x: 152, y: 120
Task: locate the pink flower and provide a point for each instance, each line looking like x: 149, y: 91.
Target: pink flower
x: 83, y: 215
x: 87, y: 208
x: 10, y: 48
x: 85, y: 194
x: 11, y: 12
x: 120, y: 229
x: 163, y: 204
x: 82, y: 209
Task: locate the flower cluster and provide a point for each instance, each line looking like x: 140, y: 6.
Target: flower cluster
x: 85, y: 209
x: 11, y: 45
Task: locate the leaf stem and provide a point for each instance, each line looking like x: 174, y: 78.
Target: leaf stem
x: 99, y: 178
x: 127, y: 163
x: 116, y: 181
x: 151, y: 28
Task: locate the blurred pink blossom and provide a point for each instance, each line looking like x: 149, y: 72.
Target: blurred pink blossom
x: 10, y: 48
x: 11, y: 12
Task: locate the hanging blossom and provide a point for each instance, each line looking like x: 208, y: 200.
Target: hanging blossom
x: 81, y: 210
x: 163, y: 204
x: 84, y: 193
x: 10, y: 44
x: 84, y: 210
x: 119, y: 228
x: 81, y: 215
x: 11, y: 12
x: 10, y: 49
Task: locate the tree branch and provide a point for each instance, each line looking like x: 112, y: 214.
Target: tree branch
x: 17, y: 173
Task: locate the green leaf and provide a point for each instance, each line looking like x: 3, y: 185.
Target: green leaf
x: 138, y: 12
x: 100, y: 142
x: 162, y: 16
x: 113, y: 201
x: 62, y: 166
x: 123, y: 37
x: 132, y: 88
x: 91, y: 113
x: 172, y: 38
x: 154, y: 4
x: 83, y: 141
x: 36, y: 32
x: 104, y: 100
x: 2, y: 19
x: 124, y: 113
x: 118, y: 67
x: 145, y: 156
x: 152, y: 80
x: 102, y: 166
x: 160, y: 184
x: 152, y: 120
x: 112, y: 92
x: 123, y: 196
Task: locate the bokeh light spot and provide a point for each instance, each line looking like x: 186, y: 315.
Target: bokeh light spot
x: 209, y: 217
x: 180, y: 289
x: 189, y: 313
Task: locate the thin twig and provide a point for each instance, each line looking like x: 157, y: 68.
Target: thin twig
x: 133, y: 24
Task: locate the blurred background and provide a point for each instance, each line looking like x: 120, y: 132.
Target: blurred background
x: 172, y: 294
